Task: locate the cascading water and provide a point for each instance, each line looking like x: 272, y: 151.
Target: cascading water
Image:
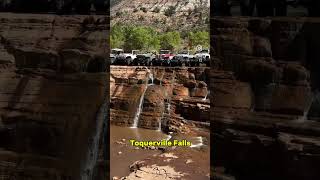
x: 150, y: 74
x: 205, y: 98
x: 137, y: 116
x: 166, y: 112
x: 140, y: 107
x: 151, y: 77
x: 167, y: 109
x: 200, y: 139
x: 305, y: 113
x: 193, y: 91
x: 93, y: 148
x: 159, y: 127
x: 169, y: 136
x: 161, y: 79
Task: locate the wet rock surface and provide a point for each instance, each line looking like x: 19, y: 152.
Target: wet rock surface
x: 166, y: 93
x: 51, y: 110
x: 175, y: 165
x: 265, y: 100
x: 144, y: 163
x: 163, y: 103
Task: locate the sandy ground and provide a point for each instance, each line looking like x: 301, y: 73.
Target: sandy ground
x: 171, y: 163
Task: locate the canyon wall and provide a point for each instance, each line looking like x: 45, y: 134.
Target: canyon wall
x: 178, y: 15
x: 54, y: 86
x: 265, y: 111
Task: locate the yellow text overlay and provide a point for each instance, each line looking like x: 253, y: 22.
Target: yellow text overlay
x: 162, y: 143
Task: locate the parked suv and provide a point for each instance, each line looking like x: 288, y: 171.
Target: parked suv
x: 201, y: 57
x: 164, y: 58
x: 144, y: 59
x: 114, y: 53
x: 183, y: 57
x: 126, y: 58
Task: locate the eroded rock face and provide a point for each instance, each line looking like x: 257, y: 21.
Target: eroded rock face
x: 54, y: 42
x: 164, y: 93
x: 265, y: 100
x: 52, y: 116
x: 183, y: 16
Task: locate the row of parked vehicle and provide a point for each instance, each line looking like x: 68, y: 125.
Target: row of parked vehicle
x: 164, y: 58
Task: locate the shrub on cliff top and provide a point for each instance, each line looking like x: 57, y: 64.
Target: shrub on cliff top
x: 143, y: 9
x: 171, y: 10
x: 199, y: 38
x: 156, y: 10
x: 170, y: 40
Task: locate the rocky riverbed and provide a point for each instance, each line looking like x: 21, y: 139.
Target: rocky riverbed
x: 154, y: 104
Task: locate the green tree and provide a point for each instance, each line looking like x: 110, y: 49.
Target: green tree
x: 142, y: 38
x: 117, y: 37
x: 170, y: 40
x: 199, y: 38
x: 131, y: 37
x: 153, y: 42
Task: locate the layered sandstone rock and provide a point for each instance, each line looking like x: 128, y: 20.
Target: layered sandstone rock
x: 53, y: 95
x: 161, y: 93
x: 265, y: 99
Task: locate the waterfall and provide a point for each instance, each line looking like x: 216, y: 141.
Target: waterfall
x: 167, y: 107
x: 140, y: 107
x: 151, y: 77
x: 200, y: 139
x: 161, y: 79
x: 166, y: 110
x: 205, y: 98
x: 93, y: 147
x: 159, y: 127
x: 137, y: 116
x: 150, y: 74
x: 193, y: 91
x: 305, y: 113
x: 168, y: 137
